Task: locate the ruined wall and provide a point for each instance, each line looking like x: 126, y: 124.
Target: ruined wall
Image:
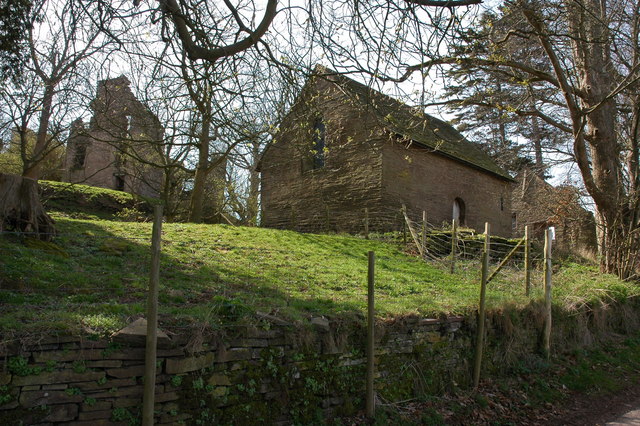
x: 331, y: 198
x: 540, y: 205
x: 121, y: 130
x: 427, y: 181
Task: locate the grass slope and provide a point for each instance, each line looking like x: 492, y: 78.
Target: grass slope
x: 96, y: 272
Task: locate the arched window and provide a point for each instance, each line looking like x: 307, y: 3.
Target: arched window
x: 458, y: 210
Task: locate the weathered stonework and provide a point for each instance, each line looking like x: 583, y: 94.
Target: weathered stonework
x: 539, y: 205
x: 285, y: 374
x: 368, y: 163
x: 122, y: 130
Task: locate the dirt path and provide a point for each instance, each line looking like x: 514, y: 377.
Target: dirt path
x: 599, y: 410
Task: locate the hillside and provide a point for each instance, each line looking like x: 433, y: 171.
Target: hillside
x: 95, y: 274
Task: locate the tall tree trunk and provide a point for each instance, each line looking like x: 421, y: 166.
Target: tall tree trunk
x: 202, y: 172
x: 33, y: 166
x: 537, y: 146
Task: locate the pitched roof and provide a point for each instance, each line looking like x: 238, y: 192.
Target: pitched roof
x: 415, y: 125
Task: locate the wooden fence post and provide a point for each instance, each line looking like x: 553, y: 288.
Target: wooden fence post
x: 481, y: 309
x: 152, y: 321
x: 366, y: 223
x: 546, y: 337
x: 404, y: 224
x: 527, y: 261
x: 370, y: 397
x: 454, y: 243
x: 424, y: 233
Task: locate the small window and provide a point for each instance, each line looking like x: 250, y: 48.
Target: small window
x: 318, y: 144
x: 514, y: 222
x: 79, y: 156
x: 459, y: 210
x: 501, y: 203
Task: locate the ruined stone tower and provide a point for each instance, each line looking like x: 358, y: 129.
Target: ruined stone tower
x: 115, y: 150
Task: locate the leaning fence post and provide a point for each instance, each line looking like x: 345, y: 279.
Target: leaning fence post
x: 152, y: 321
x: 404, y: 225
x: 371, y: 403
x: 546, y: 337
x: 424, y: 233
x: 366, y: 223
x: 527, y: 261
x: 454, y: 242
x: 481, y: 308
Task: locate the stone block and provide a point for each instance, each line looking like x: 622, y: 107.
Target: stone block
x: 127, y: 402
x: 321, y: 323
x: 54, y: 387
x: 34, y: 398
x: 67, y: 355
x: 172, y: 420
x: 97, y: 406
x: 62, y: 413
x: 186, y: 365
x: 107, y: 363
x: 127, y: 372
x: 58, y: 377
x: 98, y: 422
x: 166, y: 397
x: 135, y: 334
x: 234, y: 354
x: 5, y: 378
x: 219, y: 380
x: 30, y: 388
x: 10, y: 405
x: 95, y: 415
x: 109, y: 384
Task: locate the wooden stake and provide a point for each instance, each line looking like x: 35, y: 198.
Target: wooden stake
x: 404, y: 225
x: 527, y: 262
x: 424, y: 233
x: 152, y: 321
x: 504, y: 261
x: 454, y: 243
x: 366, y: 223
x: 414, y: 234
x: 546, y: 337
x: 481, y: 309
x: 370, y: 397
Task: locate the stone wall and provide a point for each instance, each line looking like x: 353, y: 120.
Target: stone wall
x: 260, y: 374
x: 331, y: 198
x: 122, y: 130
x: 426, y: 181
x: 273, y: 372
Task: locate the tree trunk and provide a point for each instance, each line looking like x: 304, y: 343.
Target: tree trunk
x: 33, y: 167
x: 21, y: 208
x: 202, y: 171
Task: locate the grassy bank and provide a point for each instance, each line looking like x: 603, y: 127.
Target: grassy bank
x: 96, y: 272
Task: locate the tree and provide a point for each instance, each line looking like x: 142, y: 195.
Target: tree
x: 14, y: 24
x: 591, y: 70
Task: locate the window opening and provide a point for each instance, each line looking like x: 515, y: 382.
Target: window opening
x: 79, y: 156
x: 318, y: 144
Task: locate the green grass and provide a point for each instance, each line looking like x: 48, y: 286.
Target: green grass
x: 96, y: 272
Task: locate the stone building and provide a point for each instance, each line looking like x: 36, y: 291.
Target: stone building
x: 540, y: 205
x: 122, y: 137
x: 344, y: 147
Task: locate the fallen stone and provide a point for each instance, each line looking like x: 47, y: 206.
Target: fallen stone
x: 135, y: 334
x: 321, y: 323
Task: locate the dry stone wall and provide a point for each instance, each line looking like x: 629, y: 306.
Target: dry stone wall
x: 265, y: 374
